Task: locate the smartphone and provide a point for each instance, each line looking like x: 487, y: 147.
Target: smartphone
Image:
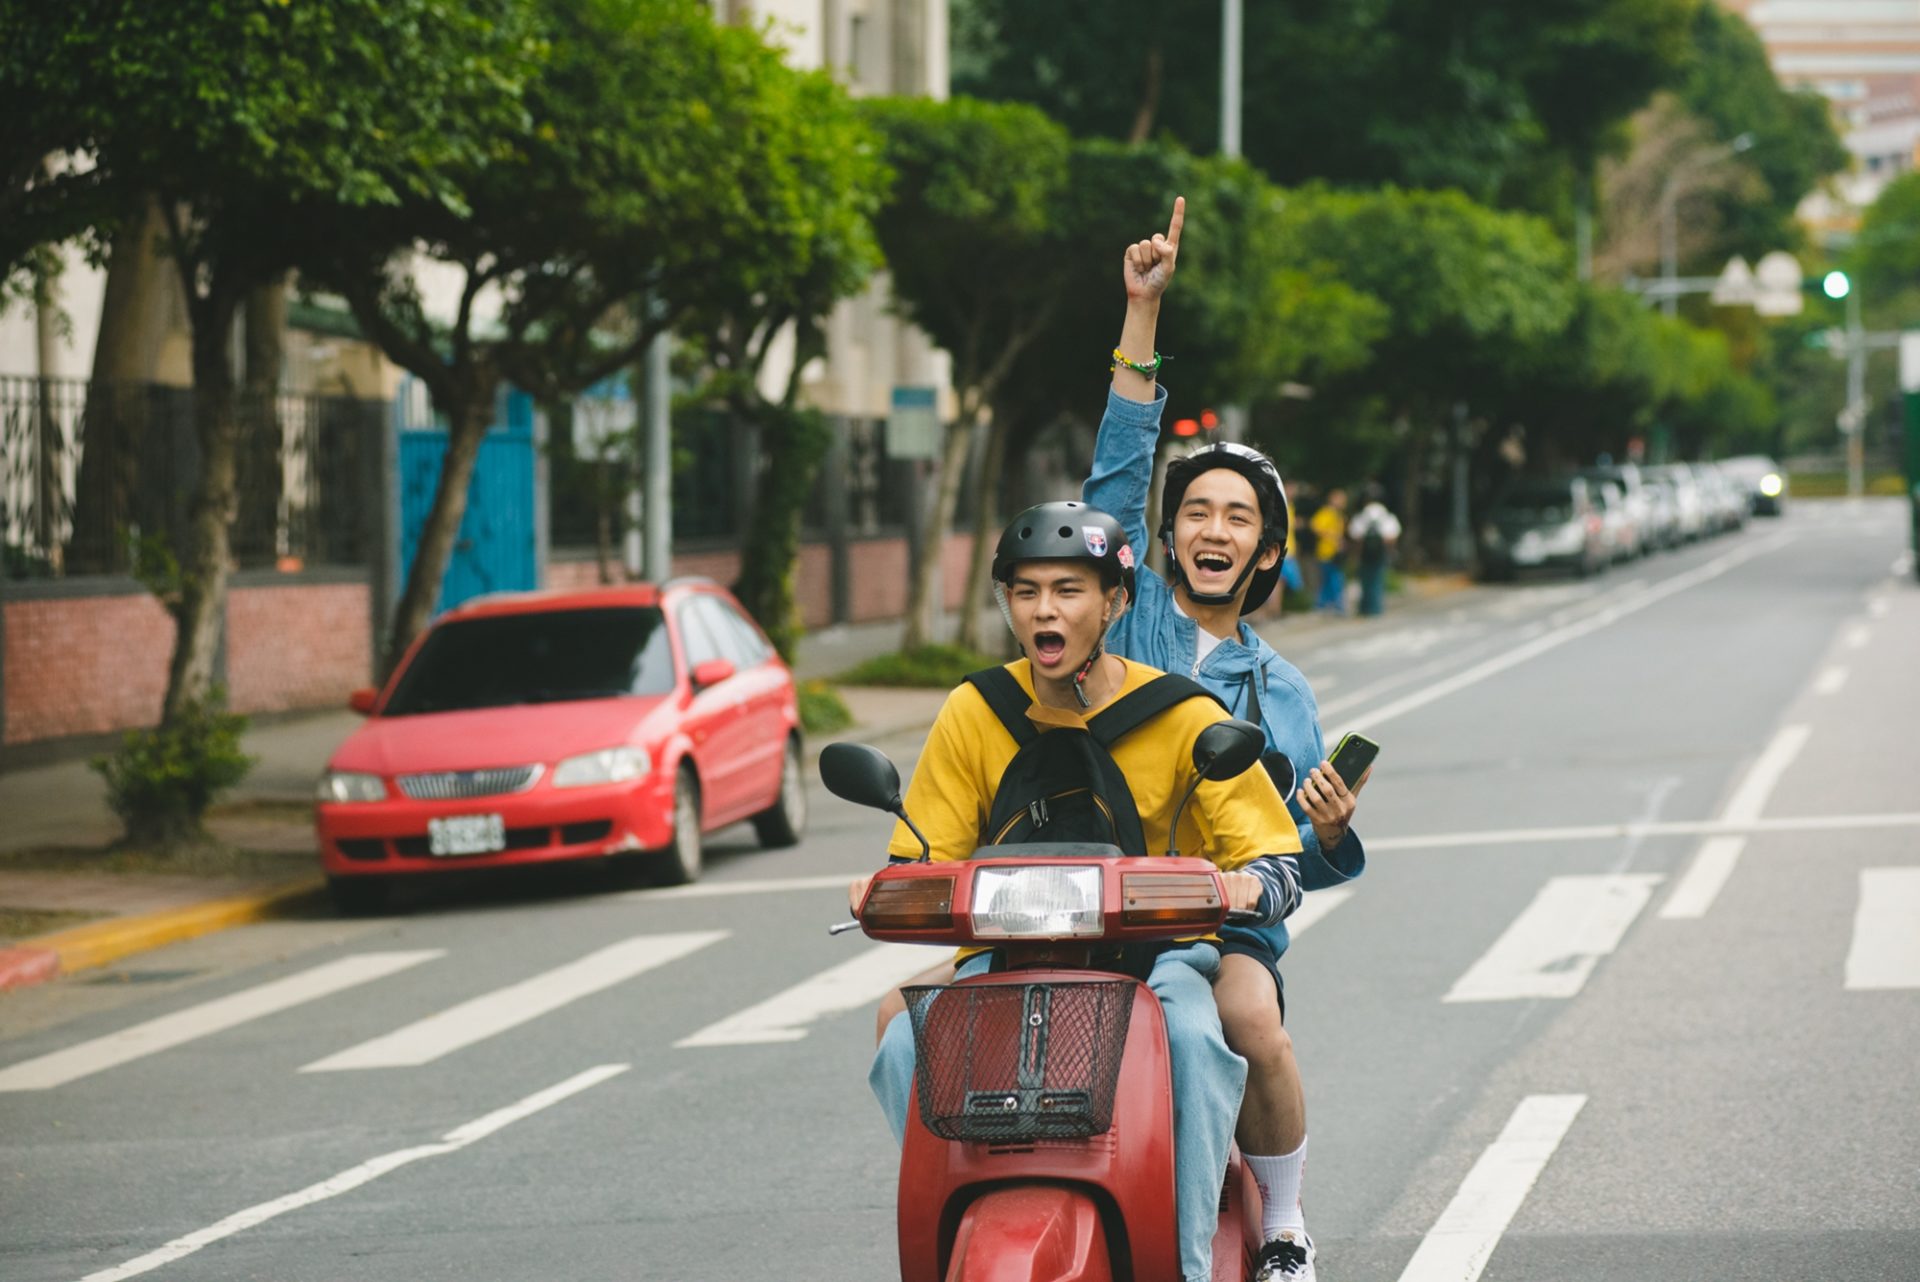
x: 1351, y: 759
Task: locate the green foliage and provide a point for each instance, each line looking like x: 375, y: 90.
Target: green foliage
x: 161, y: 781
x: 1886, y: 255
x: 822, y: 710
x: 937, y: 666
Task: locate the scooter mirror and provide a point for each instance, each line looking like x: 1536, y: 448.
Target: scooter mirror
x: 1280, y: 769
x: 1228, y: 748
x: 860, y: 774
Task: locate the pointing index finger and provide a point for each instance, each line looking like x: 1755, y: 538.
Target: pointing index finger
x: 1179, y: 217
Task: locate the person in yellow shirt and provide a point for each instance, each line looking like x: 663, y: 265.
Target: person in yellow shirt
x: 1330, y: 546
x: 1063, y: 572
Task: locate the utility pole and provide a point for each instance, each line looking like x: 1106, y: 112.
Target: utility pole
x: 1853, y: 419
x: 1233, y: 418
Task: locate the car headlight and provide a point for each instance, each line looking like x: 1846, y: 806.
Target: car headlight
x: 1048, y: 901
x: 1569, y: 538
x: 609, y: 765
x: 350, y: 785
x: 1770, y: 485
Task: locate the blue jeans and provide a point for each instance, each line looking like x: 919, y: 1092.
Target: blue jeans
x: 1333, y: 587
x: 1208, y: 1080
x: 1373, y: 588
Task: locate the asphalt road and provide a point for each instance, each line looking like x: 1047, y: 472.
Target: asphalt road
x: 1630, y: 989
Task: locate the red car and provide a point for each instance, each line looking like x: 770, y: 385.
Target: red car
x: 545, y: 726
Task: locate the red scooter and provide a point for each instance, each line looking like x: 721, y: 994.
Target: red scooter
x: 1040, y: 1144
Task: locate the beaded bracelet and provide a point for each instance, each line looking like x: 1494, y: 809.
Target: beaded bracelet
x: 1143, y: 369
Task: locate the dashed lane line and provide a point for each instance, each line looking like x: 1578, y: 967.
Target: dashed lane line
x: 353, y: 1177
x: 1885, y: 952
x: 1830, y: 680
x: 1550, y: 949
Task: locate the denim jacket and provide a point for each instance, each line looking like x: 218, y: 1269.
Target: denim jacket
x: 1157, y: 633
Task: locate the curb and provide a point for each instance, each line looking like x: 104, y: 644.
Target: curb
x: 42, y: 958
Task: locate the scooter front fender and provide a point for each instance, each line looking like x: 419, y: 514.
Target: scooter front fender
x: 1031, y: 1233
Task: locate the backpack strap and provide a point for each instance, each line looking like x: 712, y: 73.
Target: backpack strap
x: 1008, y: 700
x: 1131, y: 711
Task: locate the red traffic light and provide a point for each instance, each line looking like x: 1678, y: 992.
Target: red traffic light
x: 1209, y: 420
x: 1185, y: 427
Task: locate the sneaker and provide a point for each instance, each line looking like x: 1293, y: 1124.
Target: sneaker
x: 1289, y: 1257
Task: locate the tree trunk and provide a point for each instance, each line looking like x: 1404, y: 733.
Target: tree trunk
x: 265, y: 528
x: 200, y: 612
x: 933, y: 536
x: 792, y: 442
x: 1413, y: 544
x: 469, y: 415
x: 135, y: 314
x: 1149, y: 107
x: 986, y: 526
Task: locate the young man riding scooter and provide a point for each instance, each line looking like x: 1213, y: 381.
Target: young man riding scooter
x: 1224, y: 523
x: 1064, y: 573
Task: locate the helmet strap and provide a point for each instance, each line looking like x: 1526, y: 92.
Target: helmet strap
x: 1180, y: 579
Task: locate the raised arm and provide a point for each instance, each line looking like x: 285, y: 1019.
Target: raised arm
x: 1122, y: 471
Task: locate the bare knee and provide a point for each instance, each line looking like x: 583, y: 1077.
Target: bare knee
x: 896, y: 1000
x: 1250, y: 1013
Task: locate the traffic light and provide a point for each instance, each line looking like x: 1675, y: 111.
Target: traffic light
x: 1835, y: 285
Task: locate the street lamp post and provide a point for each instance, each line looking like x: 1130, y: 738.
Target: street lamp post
x: 1233, y: 418
x: 1670, y: 197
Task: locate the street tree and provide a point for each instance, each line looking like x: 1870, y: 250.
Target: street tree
x: 246, y: 126
x: 969, y: 237
x: 654, y: 172
x: 757, y: 346
x: 1465, y: 288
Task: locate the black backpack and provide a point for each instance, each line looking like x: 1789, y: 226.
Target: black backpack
x: 1063, y: 785
x: 1373, y: 545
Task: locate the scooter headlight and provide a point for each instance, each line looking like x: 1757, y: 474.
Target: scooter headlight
x: 1046, y: 901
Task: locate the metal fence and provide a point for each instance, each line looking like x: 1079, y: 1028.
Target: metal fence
x: 89, y: 470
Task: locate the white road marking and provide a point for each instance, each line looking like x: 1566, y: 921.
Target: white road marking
x: 1562, y: 635
x: 765, y: 885
x: 1314, y: 907
x: 1667, y: 828
x: 1856, y: 636
x: 1886, y: 930
x: 168, y: 1031
x: 1750, y: 798
x: 1458, y: 1245
x: 1902, y: 565
x: 1555, y: 942
x: 353, y: 1177
x: 439, y: 1034
x: 855, y: 983
x: 1830, y: 680
x: 1877, y: 607
x: 1697, y: 888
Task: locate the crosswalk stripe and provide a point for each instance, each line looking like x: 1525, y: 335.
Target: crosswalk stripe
x: 1555, y: 942
x: 1885, y: 952
x: 784, y: 1017
x: 439, y: 1034
x: 1458, y: 1245
x: 168, y: 1031
x: 1700, y: 885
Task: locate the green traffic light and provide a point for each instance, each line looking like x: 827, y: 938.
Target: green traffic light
x: 1836, y: 285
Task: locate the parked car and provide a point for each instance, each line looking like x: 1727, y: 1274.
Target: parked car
x: 1683, y: 493
x: 1650, y: 519
x: 1619, y: 536
x: 538, y: 727
x: 1545, y: 523
x: 1726, y: 504
x: 1762, y: 479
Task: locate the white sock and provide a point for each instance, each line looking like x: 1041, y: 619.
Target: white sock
x: 1279, y: 1181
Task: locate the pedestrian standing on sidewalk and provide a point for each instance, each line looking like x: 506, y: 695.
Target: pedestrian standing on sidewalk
x: 1330, y: 545
x: 1375, y: 532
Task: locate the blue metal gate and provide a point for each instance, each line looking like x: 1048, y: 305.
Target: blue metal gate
x: 496, y: 550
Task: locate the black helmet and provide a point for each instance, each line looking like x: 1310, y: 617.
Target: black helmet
x: 1067, y: 531
x: 1275, y: 520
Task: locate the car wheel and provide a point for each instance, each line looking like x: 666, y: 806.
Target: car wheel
x: 359, y: 896
x: 680, y: 862
x: 782, y: 823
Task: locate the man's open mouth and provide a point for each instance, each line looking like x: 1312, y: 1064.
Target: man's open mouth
x: 1049, y: 647
x: 1212, y: 562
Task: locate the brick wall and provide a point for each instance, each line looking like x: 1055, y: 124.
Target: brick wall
x: 84, y: 665
x: 304, y: 646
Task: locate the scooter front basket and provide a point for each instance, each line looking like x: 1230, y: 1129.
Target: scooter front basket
x: 1002, y: 1062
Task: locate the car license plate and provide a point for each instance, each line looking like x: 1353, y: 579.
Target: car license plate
x: 466, y: 835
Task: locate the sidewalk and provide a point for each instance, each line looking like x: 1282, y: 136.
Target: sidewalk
x: 64, y: 805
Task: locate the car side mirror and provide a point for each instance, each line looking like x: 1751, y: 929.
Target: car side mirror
x: 362, y: 701
x: 711, y: 673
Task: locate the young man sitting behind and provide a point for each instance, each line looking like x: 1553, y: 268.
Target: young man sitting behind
x: 1064, y: 574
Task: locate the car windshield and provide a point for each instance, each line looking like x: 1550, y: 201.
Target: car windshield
x: 553, y: 656
x: 1539, y: 502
